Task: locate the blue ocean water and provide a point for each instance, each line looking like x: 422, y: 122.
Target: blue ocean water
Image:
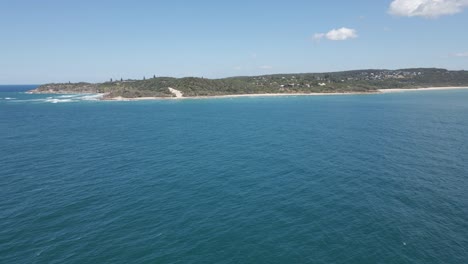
x: 320, y: 179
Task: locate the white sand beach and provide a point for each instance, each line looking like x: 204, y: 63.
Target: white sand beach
x: 179, y: 95
x: 120, y: 98
x: 397, y: 90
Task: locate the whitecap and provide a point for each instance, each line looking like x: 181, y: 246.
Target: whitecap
x: 90, y: 97
x: 68, y: 98
x: 55, y: 100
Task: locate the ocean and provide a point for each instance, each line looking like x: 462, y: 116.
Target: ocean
x: 300, y: 179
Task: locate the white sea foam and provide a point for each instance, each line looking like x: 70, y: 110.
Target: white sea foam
x: 91, y: 97
x: 55, y: 100
x: 73, y: 98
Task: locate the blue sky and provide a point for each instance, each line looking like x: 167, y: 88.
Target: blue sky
x: 59, y: 41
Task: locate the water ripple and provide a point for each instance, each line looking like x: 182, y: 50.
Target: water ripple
x: 358, y: 179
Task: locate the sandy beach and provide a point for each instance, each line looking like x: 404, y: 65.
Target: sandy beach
x: 119, y: 98
x: 398, y: 90
x: 178, y: 95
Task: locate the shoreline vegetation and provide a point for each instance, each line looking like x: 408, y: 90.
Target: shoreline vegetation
x: 380, y: 91
x: 308, y: 84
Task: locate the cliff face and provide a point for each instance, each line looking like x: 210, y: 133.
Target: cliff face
x: 64, y: 88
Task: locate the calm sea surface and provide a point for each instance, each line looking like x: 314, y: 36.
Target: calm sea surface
x: 320, y: 179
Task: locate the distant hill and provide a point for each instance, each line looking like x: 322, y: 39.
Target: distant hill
x: 344, y: 82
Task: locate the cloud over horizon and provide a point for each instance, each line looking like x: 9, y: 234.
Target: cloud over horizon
x: 427, y: 8
x: 337, y: 34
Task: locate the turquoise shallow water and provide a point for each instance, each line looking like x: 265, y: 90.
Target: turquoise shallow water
x: 323, y: 179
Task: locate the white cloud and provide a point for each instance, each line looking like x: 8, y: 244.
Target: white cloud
x: 426, y: 8
x: 319, y: 36
x: 461, y: 54
x: 337, y: 34
x: 266, y: 67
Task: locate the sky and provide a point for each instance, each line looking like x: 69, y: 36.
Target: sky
x: 62, y: 40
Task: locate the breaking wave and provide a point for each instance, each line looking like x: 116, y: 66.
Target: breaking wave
x: 55, y: 99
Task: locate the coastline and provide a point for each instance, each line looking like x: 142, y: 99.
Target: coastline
x: 179, y: 96
x: 120, y: 98
x: 398, y: 90
x: 378, y: 91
